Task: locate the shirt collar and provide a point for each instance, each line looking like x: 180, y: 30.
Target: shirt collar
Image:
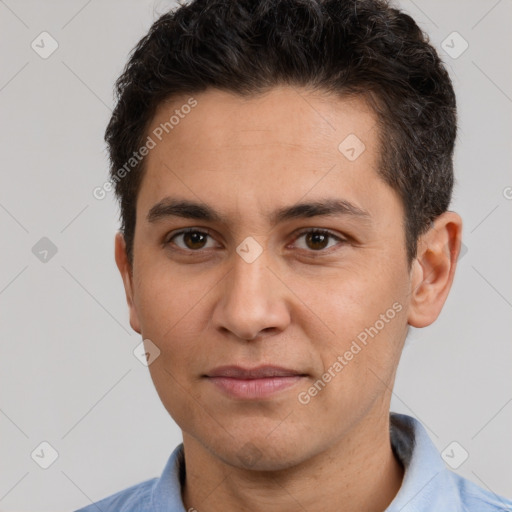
x: 427, y: 485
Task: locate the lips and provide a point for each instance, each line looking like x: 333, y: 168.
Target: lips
x: 261, y: 372
x: 253, y: 383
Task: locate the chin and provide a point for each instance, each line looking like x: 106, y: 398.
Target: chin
x: 263, y: 454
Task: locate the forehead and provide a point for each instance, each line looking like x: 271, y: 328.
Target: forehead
x: 268, y: 149
x: 283, y: 115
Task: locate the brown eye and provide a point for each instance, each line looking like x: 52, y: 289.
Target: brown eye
x: 315, y: 240
x: 190, y: 239
x: 194, y: 239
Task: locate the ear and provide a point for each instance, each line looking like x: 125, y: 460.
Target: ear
x: 126, y: 273
x: 433, y: 269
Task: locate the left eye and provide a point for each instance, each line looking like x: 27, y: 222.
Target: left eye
x: 317, y: 239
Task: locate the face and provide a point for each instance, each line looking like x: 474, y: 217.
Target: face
x: 292, y: 257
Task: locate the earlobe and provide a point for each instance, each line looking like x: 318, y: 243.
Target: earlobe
x: 433, y: 269
x: 125, y: 270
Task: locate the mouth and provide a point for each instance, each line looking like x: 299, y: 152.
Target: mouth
x: 253, y: 383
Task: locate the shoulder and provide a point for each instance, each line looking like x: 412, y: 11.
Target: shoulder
x: 428, y: 484
x: 163, y: 493
x: 137, y: 497
x: 477, y: 499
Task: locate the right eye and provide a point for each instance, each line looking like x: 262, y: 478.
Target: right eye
x: 190, y: 239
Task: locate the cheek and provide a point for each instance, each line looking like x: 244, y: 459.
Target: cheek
x: 360, y: 319
x: 167, y: 301
x: 358, y: 367
x: 170, y: 307
x: 344, y: 303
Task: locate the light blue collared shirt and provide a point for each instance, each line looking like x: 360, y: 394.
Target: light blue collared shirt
x: 428, y: 485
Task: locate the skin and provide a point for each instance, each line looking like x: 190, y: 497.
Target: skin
x: 299, y: 305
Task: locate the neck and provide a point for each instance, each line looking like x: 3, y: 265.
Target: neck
x: 357, y: 472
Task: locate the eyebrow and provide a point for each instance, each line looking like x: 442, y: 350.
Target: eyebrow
x: 172, y: 207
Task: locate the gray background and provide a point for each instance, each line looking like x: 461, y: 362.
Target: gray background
x: 67, y: 372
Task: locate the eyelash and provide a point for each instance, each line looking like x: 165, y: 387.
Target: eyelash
x: 168, y: 240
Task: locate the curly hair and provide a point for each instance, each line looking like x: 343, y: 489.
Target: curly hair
x: 344, y: 47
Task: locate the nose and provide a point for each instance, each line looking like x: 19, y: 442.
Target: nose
x: 252, y: 300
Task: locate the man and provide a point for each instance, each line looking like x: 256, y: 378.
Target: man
x: 284, y: 170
